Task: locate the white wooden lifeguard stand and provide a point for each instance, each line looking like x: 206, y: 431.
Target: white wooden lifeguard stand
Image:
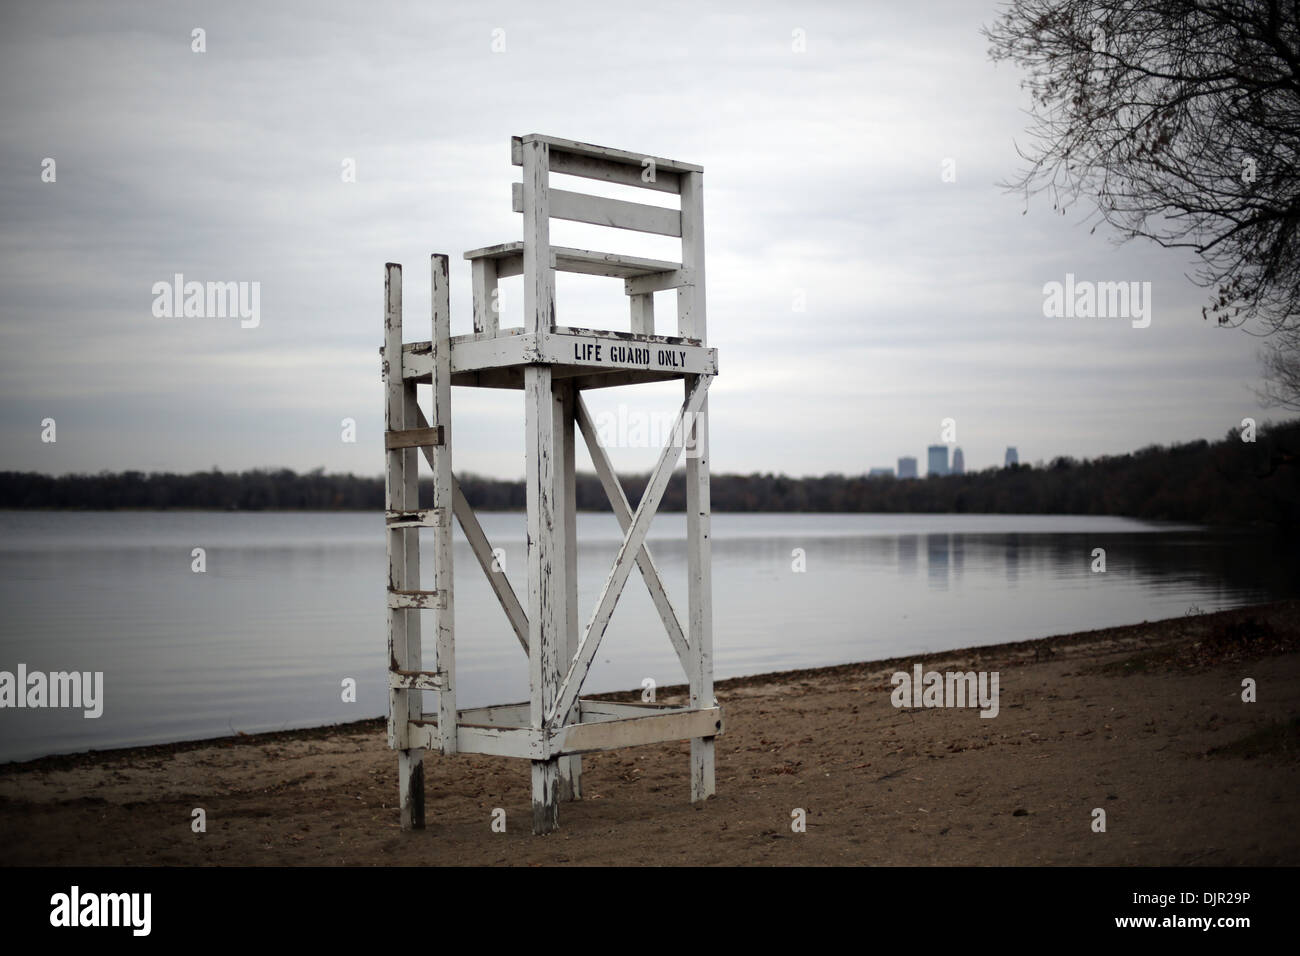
x: 552, y: 364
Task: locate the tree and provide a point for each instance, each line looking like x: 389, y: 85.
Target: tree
x: 1180, y: 121
x: 1281, y: 361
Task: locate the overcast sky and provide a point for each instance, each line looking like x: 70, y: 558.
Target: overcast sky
x: 823, y: 172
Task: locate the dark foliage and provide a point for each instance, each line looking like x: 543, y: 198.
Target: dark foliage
x: 1229, y: 482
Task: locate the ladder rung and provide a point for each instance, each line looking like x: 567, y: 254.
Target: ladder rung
x: 425, y: 518
x: 413, y: 437
x: 417, y: 680
x: 419, y: 600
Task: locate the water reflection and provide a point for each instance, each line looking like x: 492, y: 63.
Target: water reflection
x: 907, y: 549
x: 936, y: 560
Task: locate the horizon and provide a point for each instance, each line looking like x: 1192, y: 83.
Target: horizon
x: 864, y: 473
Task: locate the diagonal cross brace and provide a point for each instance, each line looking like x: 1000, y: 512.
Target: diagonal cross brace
x: 632, y: 542
x: 482, y: 549
x: 623, y: 512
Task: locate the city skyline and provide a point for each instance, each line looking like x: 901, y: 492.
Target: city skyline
x: 936, y: 460
x: 907, y: 465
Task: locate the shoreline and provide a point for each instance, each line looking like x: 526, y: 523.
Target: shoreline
x: 1257, y: 528
x: 1036, y: 646
x: 1142, y: 720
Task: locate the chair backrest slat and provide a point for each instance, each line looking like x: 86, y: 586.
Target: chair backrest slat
x: 601, y: 211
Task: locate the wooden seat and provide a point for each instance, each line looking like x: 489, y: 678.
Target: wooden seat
x: 539, y: 203
x: 509, y: 257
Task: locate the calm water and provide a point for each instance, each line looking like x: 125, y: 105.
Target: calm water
x: 291, y: 604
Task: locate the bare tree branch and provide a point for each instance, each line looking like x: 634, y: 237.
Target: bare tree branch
x: 1178, y: 121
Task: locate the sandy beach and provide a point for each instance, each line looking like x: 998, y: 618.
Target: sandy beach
x: 1144, y: 722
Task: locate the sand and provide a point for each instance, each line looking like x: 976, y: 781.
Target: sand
x: 1144, y: 722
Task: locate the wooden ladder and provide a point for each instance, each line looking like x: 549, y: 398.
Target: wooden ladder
x: 407, y: 434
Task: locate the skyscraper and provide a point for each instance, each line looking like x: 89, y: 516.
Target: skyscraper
x: 1013, y: 457
x: 907, y: 467
x: 937, y: 460
x: 958, y: 462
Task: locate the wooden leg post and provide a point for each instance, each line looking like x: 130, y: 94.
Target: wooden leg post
x: 691, y: 321
x: 444, y: 616
x: 401, y: 488
x: 699, y: 571
x: 547, y: 618
x: 411, y: 761
x: 565, y: 411
x: 410, y: 770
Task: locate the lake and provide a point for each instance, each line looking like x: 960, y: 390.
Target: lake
x: 291, y: 604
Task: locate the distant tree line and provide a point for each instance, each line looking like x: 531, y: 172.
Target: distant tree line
x: 1229, y: 482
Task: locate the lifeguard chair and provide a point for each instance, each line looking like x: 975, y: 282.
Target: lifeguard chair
x: 553, y: 365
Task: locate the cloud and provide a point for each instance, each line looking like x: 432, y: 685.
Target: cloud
x: 921, y: 298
